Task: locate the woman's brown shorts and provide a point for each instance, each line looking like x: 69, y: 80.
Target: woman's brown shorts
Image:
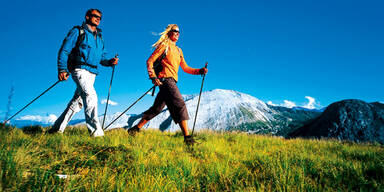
x: 169, y: 95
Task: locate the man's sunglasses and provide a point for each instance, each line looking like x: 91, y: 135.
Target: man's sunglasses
x: 96, y: 16
x: 175, y: 31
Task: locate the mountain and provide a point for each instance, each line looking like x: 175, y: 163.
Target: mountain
x: 353, y: 120
x: 220, y: 110
x: 227, y: 110
x: 289, y: 119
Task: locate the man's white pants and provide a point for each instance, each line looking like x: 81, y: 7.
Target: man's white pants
x: 85, y: 94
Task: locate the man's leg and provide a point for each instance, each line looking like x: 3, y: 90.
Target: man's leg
x: 73, y: 107
x: 88, y: 94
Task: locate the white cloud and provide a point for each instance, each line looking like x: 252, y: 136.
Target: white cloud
x: 312, y: 103
x: 288, y: 104
x: 270, y: 103
x: 104, y: 101
x: 51, y: 118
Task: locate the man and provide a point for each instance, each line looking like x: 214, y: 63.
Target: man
x: 80, y: 54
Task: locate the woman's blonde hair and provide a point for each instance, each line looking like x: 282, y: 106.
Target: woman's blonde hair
x: 164, y: 38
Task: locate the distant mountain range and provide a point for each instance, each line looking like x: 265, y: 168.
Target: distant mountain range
x: 228, y: 110
x: 223, y: 110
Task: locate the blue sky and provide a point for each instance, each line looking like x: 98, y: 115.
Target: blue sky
x: 273, y: 50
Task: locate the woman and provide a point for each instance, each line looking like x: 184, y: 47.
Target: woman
x: 170, y: 57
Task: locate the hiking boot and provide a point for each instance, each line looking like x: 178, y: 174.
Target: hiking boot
x: 188, y: 140
x: 98, y: 133
x: 53, y: 131
x: 133, y: 130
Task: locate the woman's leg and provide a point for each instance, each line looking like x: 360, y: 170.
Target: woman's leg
x: 184, y: 127
x: 142, y: 122
x: 154, y: 110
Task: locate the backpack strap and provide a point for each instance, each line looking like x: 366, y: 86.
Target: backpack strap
x: 163, y: 55
x: 178, y: 48
x: 75, y: 50
x: 158, y: 60
x: 81, y: 36
x: 157, y: 67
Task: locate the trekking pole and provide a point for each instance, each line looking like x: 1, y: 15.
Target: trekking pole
x: 198, y: 103
x: 130, y: 107
x: 153, y: 91
x: 109, y: 91
x: 32, y: 101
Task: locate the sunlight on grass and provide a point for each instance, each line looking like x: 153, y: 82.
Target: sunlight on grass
x: 159, y: 161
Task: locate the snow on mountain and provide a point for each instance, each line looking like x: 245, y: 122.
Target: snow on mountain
x: 219, y: 109
x: 121, y: 122
x: 31, y: 120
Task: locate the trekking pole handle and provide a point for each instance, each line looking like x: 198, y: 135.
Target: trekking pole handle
x: 116, y: 57
x: 206, y: 66
x: 67, y: 75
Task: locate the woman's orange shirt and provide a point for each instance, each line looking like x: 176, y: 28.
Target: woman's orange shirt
x: 171, y: 62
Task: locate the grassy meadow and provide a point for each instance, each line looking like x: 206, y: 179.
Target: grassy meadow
x: 159, y: 161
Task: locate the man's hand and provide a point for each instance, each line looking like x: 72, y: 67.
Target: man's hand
x: 63, y: 76
x: 114, y: 60
x: 157, y: 82
x: 203, y: 71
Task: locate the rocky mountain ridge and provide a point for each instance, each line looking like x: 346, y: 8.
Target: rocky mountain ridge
x: 351, y: 119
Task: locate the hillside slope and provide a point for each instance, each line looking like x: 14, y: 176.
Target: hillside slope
x: 159, y: 161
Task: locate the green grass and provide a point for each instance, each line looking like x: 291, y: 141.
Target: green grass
x: 159, y: 161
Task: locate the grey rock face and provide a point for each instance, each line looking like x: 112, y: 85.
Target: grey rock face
x: 352, y: 119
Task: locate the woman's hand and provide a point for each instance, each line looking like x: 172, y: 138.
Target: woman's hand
x: 157, y: 82
x: 203, y: 71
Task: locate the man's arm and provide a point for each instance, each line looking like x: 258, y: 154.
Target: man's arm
x: 108, y: 62
x: 104, y: 61
x: 68, y: 44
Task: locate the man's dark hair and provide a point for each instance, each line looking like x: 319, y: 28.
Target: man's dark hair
x: 89, y: 12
